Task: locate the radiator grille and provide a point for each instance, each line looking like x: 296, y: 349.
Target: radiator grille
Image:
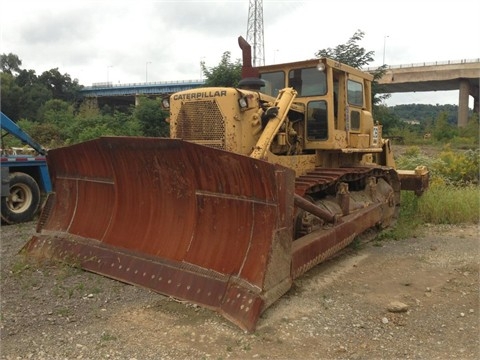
x: 203, y: 123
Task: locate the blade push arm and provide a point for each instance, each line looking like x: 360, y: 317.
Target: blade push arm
x: 276, y: 117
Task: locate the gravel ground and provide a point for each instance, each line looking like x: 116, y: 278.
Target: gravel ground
x: 411, y: 299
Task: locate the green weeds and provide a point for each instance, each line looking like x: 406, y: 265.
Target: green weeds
x: 453, y: 196
x: 107, y: 337
x: 449, y: 204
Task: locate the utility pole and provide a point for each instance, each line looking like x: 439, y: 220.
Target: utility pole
x: 384, y: 46
x: 255, y: 31
x: 108, y: 73
x: 146, y: 70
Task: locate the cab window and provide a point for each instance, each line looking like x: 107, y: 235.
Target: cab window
x: 355, y: 120
x: 317, y: 123
x: 355, y: 93
x: 308, y: 82
x: 274, y: 82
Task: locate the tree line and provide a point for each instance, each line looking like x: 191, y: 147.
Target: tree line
x: 50, y: 108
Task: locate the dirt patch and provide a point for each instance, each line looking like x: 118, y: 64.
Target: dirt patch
x: 338, y: 310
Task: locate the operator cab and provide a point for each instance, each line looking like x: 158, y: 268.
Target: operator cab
x: 335, y: 98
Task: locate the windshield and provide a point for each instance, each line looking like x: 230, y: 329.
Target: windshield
x: 274, y: 82
x: 308, y: 82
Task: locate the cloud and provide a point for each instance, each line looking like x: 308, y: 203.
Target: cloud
x: 123, y: 40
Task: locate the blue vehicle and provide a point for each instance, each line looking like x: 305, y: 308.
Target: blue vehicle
x: 25, y: 177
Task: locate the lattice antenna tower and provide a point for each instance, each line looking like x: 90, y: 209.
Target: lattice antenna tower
x: 255, y: 31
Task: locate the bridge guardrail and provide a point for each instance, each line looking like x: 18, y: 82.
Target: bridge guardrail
x: 433, y: 63
x: 109, y: 85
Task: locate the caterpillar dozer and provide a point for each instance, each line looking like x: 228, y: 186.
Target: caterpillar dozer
x: 255, y: 186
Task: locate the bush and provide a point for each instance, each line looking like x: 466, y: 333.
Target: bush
x: 413, y: 157
x: 453, y: 196
x: 459, y: 167
x: 450, y: 167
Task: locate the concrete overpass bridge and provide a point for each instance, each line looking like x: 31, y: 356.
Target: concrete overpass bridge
x: 462, y: 75
x: 128, y: 93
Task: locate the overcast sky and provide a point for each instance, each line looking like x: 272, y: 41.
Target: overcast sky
x: 158, y: 40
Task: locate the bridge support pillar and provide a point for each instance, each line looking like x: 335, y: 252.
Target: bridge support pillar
x: 475, y: 93
x: 137, y: 100
x: 91, y: 102
x: 464, y: 94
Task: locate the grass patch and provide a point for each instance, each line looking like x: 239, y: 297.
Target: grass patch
x: 107, y: 337
x: 408, y: 220
x: 440, y: 204
x: 20, y: 266
x: 447, y: 204
x: 453, y: 196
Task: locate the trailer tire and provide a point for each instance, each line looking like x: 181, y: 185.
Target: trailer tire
x: 23, y: 200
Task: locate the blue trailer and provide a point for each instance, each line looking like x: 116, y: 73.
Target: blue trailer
x: 25, y: 177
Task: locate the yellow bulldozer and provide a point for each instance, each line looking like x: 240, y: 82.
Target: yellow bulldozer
x: 255, y: 186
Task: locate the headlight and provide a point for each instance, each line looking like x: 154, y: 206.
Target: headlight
x: 243, y: 102
x: 321, y: 66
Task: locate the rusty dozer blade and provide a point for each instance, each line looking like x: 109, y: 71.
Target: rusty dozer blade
x: 192, y: 222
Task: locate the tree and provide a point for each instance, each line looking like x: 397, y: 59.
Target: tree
x: 472, y: 129
x: 56, y: 112
x: 57, y: 115
x: 26, y: 78
x: 126, y: 124
x: 32, y: 99
x: 11, y: 93
x: 390, y: 122
x: 152, y: 118
x: 358, y: 57
x: 24, y: 93
x: 226, y: 73
x: 61, y: 86
x: 10, y: 63
x: 350, y: 53
x: 442, y: 130
x: 378, y: 92
x: 49, y: 135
